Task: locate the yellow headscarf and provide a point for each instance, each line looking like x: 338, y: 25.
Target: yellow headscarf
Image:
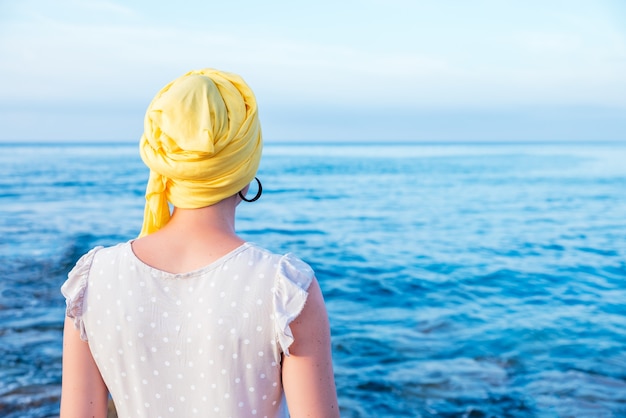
x: 202, y: 142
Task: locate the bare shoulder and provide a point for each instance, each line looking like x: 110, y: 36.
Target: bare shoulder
x: 312, y: 324
x: 308, y: 376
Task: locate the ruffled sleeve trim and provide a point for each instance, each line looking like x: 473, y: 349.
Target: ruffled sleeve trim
x: 74, y: 290
x: 293, y: 279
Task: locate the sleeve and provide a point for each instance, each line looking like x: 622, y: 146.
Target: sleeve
x: 293, y: 279
x: 74, y: 290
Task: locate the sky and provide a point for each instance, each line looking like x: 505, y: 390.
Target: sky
x: 323, y: 71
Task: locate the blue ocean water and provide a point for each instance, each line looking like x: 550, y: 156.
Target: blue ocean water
x: 469, y: 280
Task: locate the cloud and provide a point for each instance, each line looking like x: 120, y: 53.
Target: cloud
x: 382, y: 58
x: 104, y: 50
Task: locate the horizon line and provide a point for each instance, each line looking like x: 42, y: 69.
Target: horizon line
x: 367, y: 142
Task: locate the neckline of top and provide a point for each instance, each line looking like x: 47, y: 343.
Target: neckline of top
x: 196, y: 272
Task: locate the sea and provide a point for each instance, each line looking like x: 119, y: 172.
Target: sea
x: 461, y: 279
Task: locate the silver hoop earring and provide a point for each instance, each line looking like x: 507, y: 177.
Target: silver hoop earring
x: 256, y: 197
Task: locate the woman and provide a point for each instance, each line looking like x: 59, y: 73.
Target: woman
x: 189, y: 319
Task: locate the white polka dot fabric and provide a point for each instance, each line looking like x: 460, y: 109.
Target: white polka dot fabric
x: 203, y: 343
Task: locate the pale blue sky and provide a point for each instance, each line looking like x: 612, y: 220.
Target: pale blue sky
x: 376, y: 70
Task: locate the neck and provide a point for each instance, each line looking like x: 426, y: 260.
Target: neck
x: 192, y: 238
x: 215, y: 221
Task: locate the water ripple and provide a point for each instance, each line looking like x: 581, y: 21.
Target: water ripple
x: 461, y: 281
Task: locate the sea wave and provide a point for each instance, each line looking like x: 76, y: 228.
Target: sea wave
x: 465, y: 280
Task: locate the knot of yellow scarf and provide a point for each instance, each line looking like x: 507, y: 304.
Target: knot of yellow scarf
x: 201, y: 141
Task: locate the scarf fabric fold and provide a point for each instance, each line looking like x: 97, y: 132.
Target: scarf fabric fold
x: 202, y: 142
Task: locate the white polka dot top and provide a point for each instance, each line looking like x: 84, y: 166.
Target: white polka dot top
x: 204, y: 343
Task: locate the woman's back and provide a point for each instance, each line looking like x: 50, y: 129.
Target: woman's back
x: 184, y: 344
